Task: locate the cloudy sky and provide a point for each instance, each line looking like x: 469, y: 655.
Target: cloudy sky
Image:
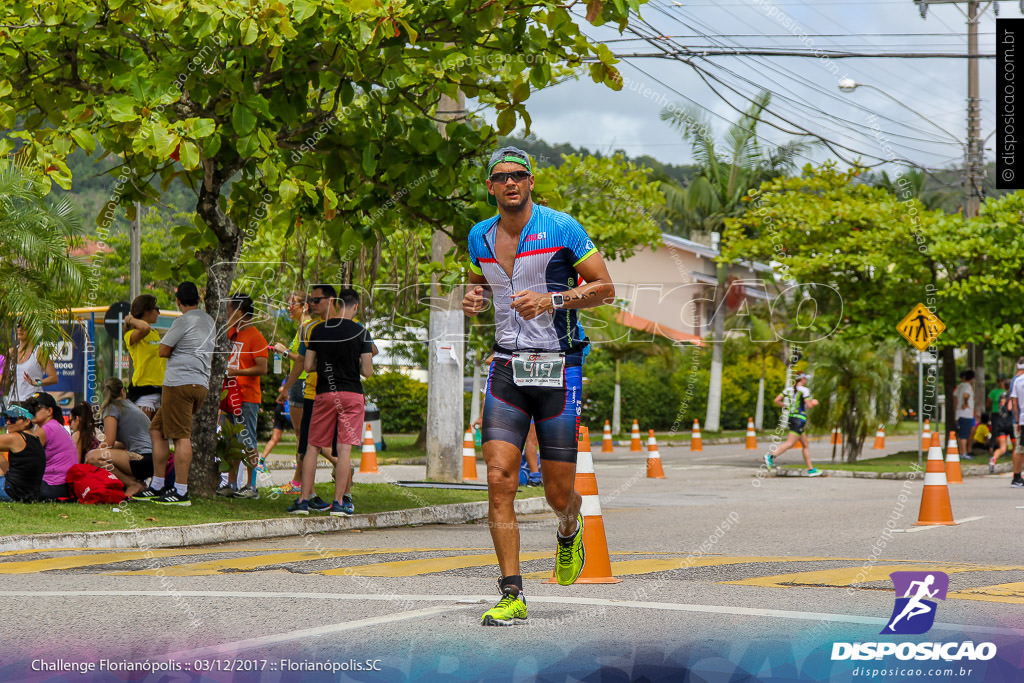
x: 804, y: 90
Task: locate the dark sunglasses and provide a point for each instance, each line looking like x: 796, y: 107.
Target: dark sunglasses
x: 317, y: 299
x: 518, y: 176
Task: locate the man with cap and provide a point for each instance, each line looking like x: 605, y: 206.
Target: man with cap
x: 537, y: 267
x: 188, y: 348
x: 795, y: 401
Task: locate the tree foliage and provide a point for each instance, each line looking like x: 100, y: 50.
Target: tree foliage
x: 327, y: 108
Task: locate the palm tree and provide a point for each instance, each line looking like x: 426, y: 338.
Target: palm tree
x: 41, y: 280
x: 851, y: 382
x: 716, y: 193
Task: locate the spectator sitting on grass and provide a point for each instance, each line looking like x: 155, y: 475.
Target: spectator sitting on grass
x: 983, y: 436
x: 126, y: 450
x: 22, y: 473
x: 61, y: 452
x: 83, y: 429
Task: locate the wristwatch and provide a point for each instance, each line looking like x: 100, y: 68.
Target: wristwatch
x: 557, y: 300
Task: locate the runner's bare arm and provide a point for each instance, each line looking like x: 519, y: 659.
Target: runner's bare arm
x: 366, y: 364
x: 597, y: 290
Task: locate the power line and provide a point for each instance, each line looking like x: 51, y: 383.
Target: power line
x: 817, y: 54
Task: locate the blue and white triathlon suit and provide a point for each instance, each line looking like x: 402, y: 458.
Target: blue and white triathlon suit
x: 551, y: 245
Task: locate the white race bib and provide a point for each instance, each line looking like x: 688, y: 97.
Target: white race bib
x: 537, y: 369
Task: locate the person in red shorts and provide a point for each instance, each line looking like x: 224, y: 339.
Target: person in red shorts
x: 340, y: 350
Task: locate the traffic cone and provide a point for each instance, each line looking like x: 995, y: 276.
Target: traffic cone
x: 368, y: 461
x: 879, y: 439
x: 607, y: 445
x: 926, y: 435
x: 953, y: 473
x: 695, y: 444
x: 837, y: 436
x: 751, y: 435
x: 67, y: 423
x: 654, y: 469
x: 935, y: 506
x: 468, y: 457
x: 634, y: 445
x: 598, y: 567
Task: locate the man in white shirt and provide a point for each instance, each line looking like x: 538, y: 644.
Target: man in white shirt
x: 963, y: 402
x: 1016, y: 394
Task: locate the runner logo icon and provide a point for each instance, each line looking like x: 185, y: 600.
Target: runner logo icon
x: 913, y: 613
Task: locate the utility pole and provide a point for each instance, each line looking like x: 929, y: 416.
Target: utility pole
x: 135, y: 255
x: 446, y: 346
x: 974, y: 173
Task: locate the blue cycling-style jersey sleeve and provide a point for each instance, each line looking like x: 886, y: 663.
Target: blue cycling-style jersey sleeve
x: 477, y: 246
x: 577, y: 240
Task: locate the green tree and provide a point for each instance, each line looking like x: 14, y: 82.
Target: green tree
x: 852, y: 384
x: 307, y: 104
x: 41, y: 280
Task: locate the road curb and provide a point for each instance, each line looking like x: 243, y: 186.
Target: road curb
x: 968, y: 471
x: 224, y: 532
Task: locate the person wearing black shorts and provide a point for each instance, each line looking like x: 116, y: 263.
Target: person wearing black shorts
x: 795, y: 401
x: 530, y: 260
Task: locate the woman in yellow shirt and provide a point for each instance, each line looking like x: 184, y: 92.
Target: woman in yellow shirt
x: 143, y: 344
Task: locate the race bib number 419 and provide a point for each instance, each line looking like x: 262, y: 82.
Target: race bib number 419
x: 538, y: 369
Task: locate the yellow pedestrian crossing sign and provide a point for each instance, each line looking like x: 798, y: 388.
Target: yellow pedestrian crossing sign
x: 921, y: 327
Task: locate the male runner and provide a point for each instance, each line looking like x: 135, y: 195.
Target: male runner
x: 795, y: 401
x: 531, y: 260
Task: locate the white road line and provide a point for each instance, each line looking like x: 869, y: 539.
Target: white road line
x: 263, y: 641
x: 938, y: 526
x: 456, y: 599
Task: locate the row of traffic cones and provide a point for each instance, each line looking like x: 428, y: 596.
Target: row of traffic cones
x: 935, y: 504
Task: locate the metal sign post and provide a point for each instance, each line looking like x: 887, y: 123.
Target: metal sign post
x: 921, y: 328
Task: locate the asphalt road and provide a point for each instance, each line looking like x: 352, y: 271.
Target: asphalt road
x: 726, y: 576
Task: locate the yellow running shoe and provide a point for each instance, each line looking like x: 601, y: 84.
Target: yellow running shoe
x: 570, y: 556
x: 510, y: 609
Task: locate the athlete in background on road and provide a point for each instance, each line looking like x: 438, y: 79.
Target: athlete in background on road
x: 531, y: 260
x: 795, y: 401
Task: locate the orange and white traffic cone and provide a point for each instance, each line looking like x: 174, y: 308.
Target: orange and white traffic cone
x: 953, y: 473
x: 368, y: 461
x: 935, y: 505
x: 634, y: 444
x: 654, y: 469
x: 837, y: 436
x: 751, y: 435
x: 879, y: 439
x: 695, y: 444
x: 598, y: 567
x: 926, y: 435
x: 607, y: 445
x: 468, y: 457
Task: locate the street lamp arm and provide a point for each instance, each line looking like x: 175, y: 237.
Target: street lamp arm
x: 848, y: 85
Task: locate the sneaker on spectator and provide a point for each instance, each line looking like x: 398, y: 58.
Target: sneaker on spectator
x: 226, y: 490
x: 149, y: 494
x: 172, y: 497
x: 317, y: 504
x: 298, y: 507
x: 337, y: 510
x: 247, y: 492
x: 347, y: 506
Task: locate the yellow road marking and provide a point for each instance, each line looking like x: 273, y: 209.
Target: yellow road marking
x: 430, y: 566
x: 8, y: 553
x: 848, y: 576
x: 1001, y: 592
x: 664, y: 564
x: 76, y: 561
x: 255, y: 561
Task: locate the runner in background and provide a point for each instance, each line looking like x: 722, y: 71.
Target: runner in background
x: 795, y: 401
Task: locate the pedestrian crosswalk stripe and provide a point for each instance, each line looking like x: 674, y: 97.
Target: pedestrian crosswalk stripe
x: 254, y: 562
x: 429, y: 566
x: 1001, y: 592
x: 93, y: 559
x: 849, y: 576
